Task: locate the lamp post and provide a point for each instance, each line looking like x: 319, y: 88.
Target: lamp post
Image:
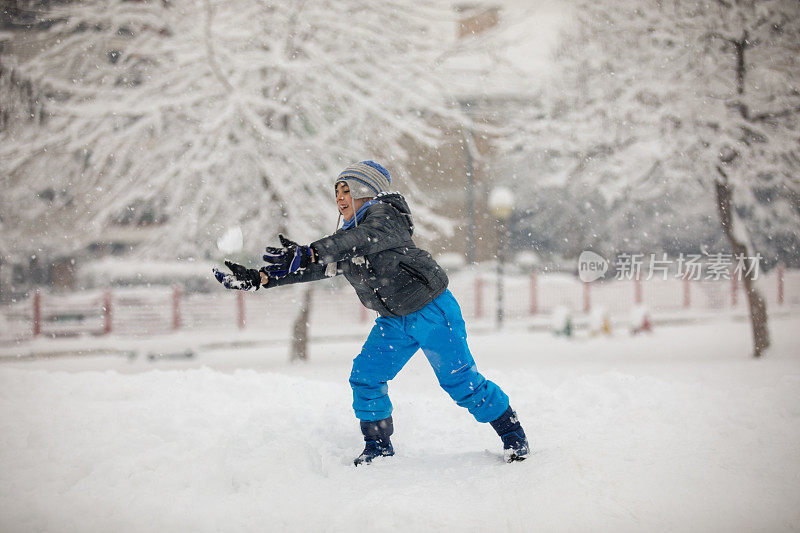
x: 501, y: 203
x: 469, y: 146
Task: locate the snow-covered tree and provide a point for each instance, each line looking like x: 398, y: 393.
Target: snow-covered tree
x: 596, y: 146
x: 705, y: 94
x: 749, y: 121
x: 214, y: 114
x: 199, y: 116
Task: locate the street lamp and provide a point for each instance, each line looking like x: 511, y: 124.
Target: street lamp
x: 501, y: 203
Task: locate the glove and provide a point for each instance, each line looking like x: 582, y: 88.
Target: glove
x: 291, y: 258
x: 243, y: 278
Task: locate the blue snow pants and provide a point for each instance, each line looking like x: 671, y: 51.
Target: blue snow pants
x: 439, y: 330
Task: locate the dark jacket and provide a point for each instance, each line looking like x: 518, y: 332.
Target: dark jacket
x: 389, y: 273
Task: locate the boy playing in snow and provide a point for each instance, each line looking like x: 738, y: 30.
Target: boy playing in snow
x: 374, y: 251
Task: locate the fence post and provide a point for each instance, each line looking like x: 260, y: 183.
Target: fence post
x: 781, y: 269
x: 587, y: 297
x: 176, y: 307
x: 478, y: 297
x: 534, y: 307
x: 37, y: 313
x: 687, y: 293
x: 734, y: 291
x: 107, y: 312
x: 637, y: 290
x: 240, y: 309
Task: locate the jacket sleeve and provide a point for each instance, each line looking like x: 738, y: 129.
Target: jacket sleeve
x: 313, y: 272
x: 380, y: 230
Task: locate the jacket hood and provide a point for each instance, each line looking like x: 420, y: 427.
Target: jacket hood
x: 396, y: 200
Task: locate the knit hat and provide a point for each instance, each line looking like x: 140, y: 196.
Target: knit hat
x: 365, y: 179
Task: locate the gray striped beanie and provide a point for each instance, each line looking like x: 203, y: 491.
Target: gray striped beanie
x: 365, y: 179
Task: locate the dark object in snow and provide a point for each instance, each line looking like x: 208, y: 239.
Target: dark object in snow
x: 185, y: 354
x: 515, y: 444
x: 376, y: 436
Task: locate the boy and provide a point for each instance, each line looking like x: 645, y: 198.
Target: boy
x: 374, y: 251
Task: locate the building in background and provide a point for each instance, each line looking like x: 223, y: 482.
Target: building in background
x: 497, y: 49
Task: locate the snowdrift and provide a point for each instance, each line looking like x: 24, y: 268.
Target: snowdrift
x: 674, y: 431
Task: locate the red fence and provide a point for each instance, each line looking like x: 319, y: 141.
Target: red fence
x: 148, y: 311
x: 542, y: 293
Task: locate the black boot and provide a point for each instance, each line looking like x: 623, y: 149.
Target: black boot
x: 515, y: 445
x: 376, y: 435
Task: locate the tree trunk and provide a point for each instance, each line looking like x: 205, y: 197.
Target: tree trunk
x: 755, y: 302
x: 299, y: 347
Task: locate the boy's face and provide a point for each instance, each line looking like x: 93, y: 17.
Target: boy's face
x: 346, y: 204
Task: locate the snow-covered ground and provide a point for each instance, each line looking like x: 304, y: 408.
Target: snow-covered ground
x: 679, y: 430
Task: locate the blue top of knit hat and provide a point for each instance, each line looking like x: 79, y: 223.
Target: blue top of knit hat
x: 379, y: 168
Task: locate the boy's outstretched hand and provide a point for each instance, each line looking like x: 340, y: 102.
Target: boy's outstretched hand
x: 288, y: 259
x: 242, y: 278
